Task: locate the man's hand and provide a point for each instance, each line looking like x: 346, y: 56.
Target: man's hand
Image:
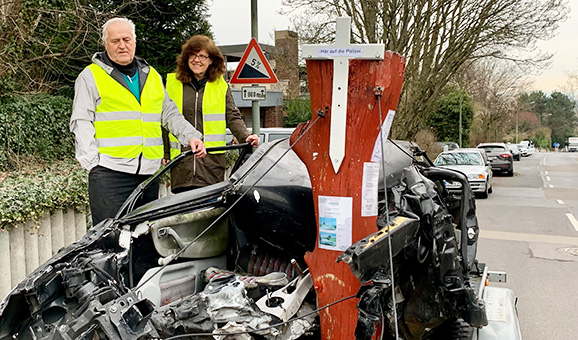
x: 198, y: 147
x: 253, y: 139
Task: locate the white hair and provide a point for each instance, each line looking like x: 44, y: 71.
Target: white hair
x: 113, y: 20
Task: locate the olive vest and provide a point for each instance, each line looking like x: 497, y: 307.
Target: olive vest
x: 214, y: 112
x: 124, y: 127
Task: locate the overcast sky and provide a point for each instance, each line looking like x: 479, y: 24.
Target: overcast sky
x: 231, y: 21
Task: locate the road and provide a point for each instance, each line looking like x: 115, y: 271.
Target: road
x: 529, y: 229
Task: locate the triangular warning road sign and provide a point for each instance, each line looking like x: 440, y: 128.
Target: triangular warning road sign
x: 253, y: 67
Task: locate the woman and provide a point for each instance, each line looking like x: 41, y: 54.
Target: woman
x: 204, y: 98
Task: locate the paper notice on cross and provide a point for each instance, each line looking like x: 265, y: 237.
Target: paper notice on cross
x: 385, y: 128
x: 369, y: 186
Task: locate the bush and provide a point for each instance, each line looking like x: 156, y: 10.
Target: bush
x: 25, y: 195
x: 34, y: 126
x: 298, y: 111
x: 542, y: 138
x: 428, y: 141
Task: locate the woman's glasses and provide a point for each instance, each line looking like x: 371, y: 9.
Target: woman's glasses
x: 201, y: 57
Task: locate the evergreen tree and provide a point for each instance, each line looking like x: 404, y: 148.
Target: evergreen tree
x: 445, y: 120
x: 561, y: 118
x: 162, y: 26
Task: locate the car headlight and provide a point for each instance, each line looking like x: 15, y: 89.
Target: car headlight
x: 476, y: 176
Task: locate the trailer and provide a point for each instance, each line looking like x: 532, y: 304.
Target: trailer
x: 500, y: 307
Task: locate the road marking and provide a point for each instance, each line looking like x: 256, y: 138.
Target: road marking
x: 560, y: 201
x: 572, y: 220
x: 548, y: 178
x: 524, y: 237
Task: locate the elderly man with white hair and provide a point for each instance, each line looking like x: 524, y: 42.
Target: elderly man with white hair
x: 119, y: 106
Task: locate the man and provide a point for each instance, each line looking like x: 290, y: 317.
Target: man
x: 119, y: 107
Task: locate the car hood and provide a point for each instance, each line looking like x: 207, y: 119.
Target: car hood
x: 466, y: 169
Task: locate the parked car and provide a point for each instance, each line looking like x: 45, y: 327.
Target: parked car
x: 473, y: 163
x: 499, y: 156
x: 267, y: 134
x: 527, y: 148
x: 515, y: 150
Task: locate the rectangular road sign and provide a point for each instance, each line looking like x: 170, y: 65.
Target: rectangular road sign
x: 253, y: 93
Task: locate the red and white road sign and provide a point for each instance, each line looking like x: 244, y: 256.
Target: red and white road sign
x: 253, y: 67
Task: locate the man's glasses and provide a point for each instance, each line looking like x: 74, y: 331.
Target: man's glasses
x: 201, y: 57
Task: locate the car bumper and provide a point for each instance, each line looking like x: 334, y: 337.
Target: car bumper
x: 502, y: 166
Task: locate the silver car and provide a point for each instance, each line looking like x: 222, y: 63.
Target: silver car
x: 471, y: 162
x: 515, y: 150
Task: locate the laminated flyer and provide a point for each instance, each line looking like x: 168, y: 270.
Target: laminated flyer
x: 335, y: 221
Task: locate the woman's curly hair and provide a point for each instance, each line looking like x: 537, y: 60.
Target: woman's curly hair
x: 196, y: 43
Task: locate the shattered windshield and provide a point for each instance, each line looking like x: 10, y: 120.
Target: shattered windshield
x: 461, y: 158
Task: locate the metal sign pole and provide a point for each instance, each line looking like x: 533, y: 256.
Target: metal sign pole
x: 255, y: 107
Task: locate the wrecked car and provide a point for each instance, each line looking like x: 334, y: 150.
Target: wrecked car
x: 226, y: 261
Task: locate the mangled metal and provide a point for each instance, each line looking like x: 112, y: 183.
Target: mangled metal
x: 431, y: 273
x: 160, y: 271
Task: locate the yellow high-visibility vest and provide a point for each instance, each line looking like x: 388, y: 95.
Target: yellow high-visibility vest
x: 214, y: 111
x: 175, y: 91
x: 124, y: 127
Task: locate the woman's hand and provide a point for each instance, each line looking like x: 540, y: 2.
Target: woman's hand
x: 198, y: 147
x: 253, y: 139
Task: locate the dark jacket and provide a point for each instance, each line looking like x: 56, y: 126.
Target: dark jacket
x: 193, y: 172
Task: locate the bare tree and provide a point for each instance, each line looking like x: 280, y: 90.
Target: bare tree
x: 571, y: 87
x: 494, y: 86
x: 437, y: 37
x: 41, y: 43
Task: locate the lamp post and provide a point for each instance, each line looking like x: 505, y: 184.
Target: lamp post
x: 460, y: 125
x: 515, y: 108
x: 461, y: 93
x: 517, y: 113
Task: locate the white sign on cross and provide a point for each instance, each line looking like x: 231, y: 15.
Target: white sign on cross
x: 341, y: 52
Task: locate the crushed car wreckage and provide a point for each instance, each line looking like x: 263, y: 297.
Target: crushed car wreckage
x: 226, y: 261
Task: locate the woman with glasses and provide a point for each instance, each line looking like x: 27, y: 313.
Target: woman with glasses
x: 204, y: 98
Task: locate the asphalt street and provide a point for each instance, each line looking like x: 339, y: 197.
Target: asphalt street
x: 529, y: 228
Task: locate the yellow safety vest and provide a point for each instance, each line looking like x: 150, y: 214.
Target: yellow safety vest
x: 124, y: 127
x: 214, y: 112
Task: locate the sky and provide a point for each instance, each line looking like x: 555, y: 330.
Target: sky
x: 231, y: 22
x: 564, y: 46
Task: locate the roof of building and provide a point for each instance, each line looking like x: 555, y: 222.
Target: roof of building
x: 234, y: 53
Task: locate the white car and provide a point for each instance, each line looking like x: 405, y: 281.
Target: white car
x: 473, y: 163
x: 526, y: 148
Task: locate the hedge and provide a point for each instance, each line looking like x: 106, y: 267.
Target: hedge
x: 34, y: 131
x: 27, y: 195
x: 37, y: 126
